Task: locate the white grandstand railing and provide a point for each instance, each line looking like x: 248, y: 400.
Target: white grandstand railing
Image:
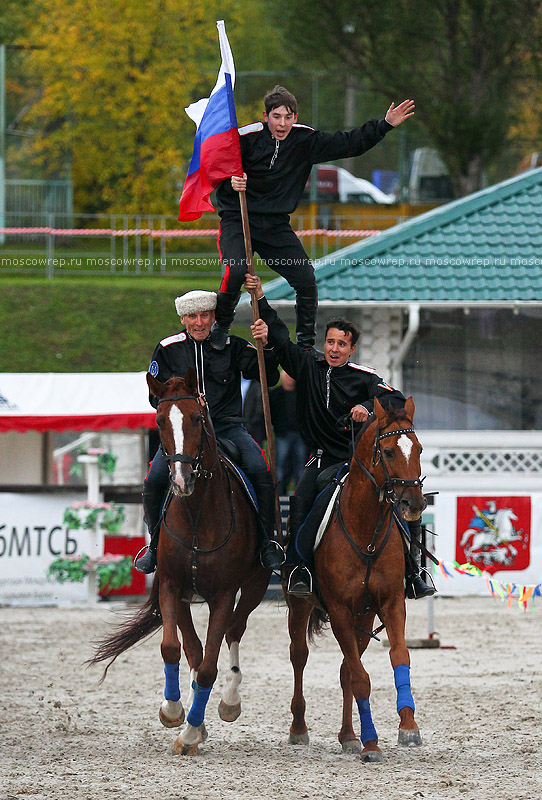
x: 482, y: 460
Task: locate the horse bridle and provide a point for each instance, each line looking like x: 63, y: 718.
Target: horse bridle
x: 204, y: 439
x: 204, y: 473
x: 387, y: 499
x: 386, y: 495
x: 386, y: 492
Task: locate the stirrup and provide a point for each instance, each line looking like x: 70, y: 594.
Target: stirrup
x: 429, y: 591
x: 300, y: 587
x: 272, y: 559
x: 148, y: 568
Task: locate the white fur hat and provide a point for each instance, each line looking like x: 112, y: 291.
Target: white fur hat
x: 192, y: 302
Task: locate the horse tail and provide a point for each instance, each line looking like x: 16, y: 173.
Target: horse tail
x: 318, y: 621
x: 145, y: 621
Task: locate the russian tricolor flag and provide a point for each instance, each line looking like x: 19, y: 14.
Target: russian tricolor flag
x: 217, y: 152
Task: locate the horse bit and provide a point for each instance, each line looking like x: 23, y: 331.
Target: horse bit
x: 199, y: 472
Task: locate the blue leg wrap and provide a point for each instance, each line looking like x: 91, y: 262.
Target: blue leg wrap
x: 402, y: 684
x: 172, y: 691
x: 197, y: 712
x: 368, y: 731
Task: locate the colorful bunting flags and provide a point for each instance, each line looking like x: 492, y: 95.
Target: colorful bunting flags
x: 505, y: 591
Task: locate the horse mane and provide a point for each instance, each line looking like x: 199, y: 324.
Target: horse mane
x: 393, y: 414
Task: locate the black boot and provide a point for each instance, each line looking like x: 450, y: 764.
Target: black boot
x: 224, y: 314
x: 153, y: 496
x: 271, y: 552
x: 416, y: 587
x: 300, y: 580
x: 306, y: 303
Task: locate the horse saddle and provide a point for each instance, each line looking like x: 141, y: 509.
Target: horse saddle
x: 317, y: 520
x: 229, y: 454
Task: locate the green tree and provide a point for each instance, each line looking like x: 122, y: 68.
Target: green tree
x: 461, y: 60
x: 116, y: 78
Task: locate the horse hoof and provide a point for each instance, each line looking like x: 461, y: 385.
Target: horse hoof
x: 299, y: 738
x: 229, y: 713
x: 352, y: 746
x: 371, y: 756
x: 171, y: 722
x: 186, y: 743
x: 182, y: 749
x: 409, y: 738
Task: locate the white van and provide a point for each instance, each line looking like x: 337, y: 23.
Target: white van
x: 337, y: 185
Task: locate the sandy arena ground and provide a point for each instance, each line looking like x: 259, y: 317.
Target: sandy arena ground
x: 478, y: 707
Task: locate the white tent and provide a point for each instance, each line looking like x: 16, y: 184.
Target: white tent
x: 82, y: 401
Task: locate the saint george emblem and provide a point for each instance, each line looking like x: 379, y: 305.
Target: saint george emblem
x: 493, y: 533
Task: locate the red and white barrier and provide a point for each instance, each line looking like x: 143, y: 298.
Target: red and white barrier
x: 181, y: 233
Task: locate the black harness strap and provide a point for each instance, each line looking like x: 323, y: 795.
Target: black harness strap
x: 193, y: 546
x: 387, y: 499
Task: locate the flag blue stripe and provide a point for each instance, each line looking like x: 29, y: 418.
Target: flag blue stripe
x: 219, y: 117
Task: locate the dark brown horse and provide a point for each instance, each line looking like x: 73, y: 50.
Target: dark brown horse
x: 360, y: 567
x: 207, y: 548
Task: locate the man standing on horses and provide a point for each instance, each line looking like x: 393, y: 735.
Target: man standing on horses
x: 278, y: 155
x: 328, y: 388
x: 219, y: 382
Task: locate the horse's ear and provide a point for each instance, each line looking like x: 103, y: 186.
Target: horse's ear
x: 380, y: 413
x: 191, y: 381
x: 410, y: 408
x: 156, y: 388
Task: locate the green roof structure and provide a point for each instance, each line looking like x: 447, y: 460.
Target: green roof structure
x: 483, y: 249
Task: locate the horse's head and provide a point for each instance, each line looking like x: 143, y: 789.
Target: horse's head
x: 389, y: 451
x: 183, y: 426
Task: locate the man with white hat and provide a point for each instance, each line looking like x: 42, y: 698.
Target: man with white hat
x: 219, y: 379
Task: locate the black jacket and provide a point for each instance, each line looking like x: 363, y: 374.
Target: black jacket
x: 278, y: 170
x: 219, y: 371
x: 325, y: 393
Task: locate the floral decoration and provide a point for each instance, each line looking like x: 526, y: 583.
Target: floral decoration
x: 113, y: 571
x: 109, y: 516
x: 107, y: 461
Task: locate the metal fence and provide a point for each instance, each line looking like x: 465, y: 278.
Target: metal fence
x: 28, y: 202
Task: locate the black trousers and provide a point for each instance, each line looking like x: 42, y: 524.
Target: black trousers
x: 274, y: 241
x: 307, y: 488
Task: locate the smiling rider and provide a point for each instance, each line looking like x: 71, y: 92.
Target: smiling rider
x: 327, y: 389
x: 219, y: 381
x: 277, y: 156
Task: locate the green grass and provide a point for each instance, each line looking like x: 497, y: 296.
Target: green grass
x: 89, y: 324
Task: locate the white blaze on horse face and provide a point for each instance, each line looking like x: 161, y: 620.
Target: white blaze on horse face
x: 405, y: 445
x: 176, y: 419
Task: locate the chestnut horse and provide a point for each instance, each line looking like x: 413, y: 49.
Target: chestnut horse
x: 207, y: 548
x: 360, y: 567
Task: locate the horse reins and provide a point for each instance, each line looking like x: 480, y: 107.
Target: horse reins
x: 195, y: 463
x: 199, y: 472
x: 387, y: 499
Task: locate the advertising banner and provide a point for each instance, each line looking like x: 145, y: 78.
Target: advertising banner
x: 32, y: 535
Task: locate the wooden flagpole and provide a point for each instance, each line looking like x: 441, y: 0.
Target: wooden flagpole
x: 261, y: 365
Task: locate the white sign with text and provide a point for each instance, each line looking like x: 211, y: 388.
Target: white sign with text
x: 32, y: 535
